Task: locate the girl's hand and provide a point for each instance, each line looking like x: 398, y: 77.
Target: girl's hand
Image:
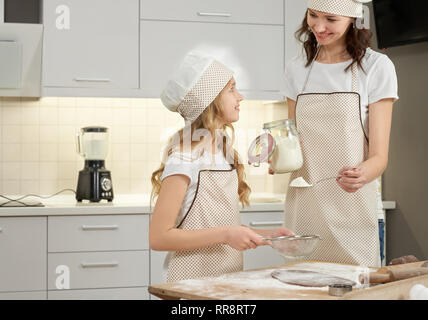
x: 243, y: 238
x: 351, y: 179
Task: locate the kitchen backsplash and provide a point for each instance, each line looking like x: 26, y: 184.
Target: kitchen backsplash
x: 38, y: 147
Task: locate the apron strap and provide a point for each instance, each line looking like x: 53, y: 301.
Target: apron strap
x: 354, y: 69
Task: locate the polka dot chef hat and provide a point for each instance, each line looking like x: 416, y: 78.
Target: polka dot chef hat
x: 347, y: 8
x: 195, y: 84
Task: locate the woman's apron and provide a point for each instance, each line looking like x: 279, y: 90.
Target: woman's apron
x: 216, y: 204
x: 332, y: 134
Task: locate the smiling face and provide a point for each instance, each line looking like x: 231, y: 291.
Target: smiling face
x: 229, y: 100
x: 328, y: 28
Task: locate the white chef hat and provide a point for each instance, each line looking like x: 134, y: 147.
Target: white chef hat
x: 195, y: 84
x: 348, y: 8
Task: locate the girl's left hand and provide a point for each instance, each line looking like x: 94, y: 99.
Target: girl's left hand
x: 351, y: 179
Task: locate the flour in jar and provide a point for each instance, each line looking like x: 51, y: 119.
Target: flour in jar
x: 287, y: 156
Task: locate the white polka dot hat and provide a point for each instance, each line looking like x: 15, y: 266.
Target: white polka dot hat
x: 347, y: 8
x: 195, y: 84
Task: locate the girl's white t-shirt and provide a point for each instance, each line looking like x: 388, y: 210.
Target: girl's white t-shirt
x: 378, y: 81
x: 182, y: 163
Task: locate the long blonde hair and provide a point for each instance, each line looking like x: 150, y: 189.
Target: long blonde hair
x: 209, y: 120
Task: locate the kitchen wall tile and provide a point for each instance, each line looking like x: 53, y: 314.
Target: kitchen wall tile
x: 66, y: 115
x: 86, y: 102
x: 120, y: 134
x: 48, y: 170
x: 121, y: 152
x: 11, y: 114
x: 67, y: 134
x: 48, y: 115
x: 30, y: 152
x: 138, y: 134
x: 11, y: 152
x: 30, y: 134
x: 67, y: 152
x: 30, y: 187
x: 48, y: 187
x: 11, y: 170
x: 48, y: 152
x: 138, y: 152
x: 30, y: 114
x: 11, y: 134
x: 66, y: 184
x: 49, y: 134
x: 49, y: 101
x: 86, y: 116
x: 121, y: 116
x: 120, y: 103
x: 11, y: 102
x: 121, y: 170
x: 139, y: 116
x: 67, y: 170
x: 11, y: 187
x: 30, y: 171
x: 67, y: 102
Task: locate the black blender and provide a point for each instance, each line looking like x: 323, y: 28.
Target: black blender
x: 94, y: 182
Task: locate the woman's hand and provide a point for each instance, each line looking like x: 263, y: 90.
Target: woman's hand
x: 278, y: 232
x: 243, y: 238
x: 351, y: 179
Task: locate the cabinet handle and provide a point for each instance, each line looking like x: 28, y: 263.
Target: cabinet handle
x: 213, y: 14
x: 91, y: 80
x: 89, y: 228
x: 266, y: 223
x: 99, y: 264
x: 1, y: 229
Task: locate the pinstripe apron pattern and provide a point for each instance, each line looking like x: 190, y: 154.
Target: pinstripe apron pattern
x: 216, y: 204
x: 332, y: 134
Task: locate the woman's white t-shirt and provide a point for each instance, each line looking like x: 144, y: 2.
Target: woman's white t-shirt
x: 378, y: 81
x: 184, y: 164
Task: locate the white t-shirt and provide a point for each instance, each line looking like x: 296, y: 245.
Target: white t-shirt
x: 379, y: 81
x: 182, y: 163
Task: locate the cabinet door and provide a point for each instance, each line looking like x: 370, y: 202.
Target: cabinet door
x: 138, y: 293
x: 236, y: 11
x: 91, y: 43
x: 263, y: 256
x: 23, y: 249
x: 254, y: 52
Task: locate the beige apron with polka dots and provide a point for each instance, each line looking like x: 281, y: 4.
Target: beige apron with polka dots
x: 332, y: 134
x: 216, y: 204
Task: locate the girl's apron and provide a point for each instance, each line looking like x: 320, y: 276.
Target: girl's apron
x: 332, y: 134
x: 216, y: 204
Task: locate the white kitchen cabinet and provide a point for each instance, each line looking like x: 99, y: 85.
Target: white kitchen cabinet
x: 24, y: 295
x: 98, y: 233
x: 225, y: 11
x: 137, y: 293
x: 100, y: 269
x: 295, y: 11
x: 254, y: 52
x: 263, y: 256
x: 23, y: 254
x: 91, y: 43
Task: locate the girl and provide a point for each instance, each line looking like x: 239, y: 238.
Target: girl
x: 340, y: 95
x: 201, y: 179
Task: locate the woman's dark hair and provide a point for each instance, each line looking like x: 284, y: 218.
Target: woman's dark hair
x: 357, y: 41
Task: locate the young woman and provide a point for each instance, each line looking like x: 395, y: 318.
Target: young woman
x: 201, y: 180
x: 341, y: 95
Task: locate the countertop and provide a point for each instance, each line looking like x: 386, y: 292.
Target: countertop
x: 66, y: 204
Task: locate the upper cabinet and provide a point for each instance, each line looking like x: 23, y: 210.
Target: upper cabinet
x: 131, y: 47
x: 91, y: 44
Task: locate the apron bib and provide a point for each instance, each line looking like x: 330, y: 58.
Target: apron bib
x: 333, y: 136
x: 216, y: 204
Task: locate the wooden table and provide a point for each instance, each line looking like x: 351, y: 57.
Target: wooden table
x: 258, y: 284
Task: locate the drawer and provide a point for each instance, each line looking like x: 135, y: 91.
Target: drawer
x: 23, y: 254
x: 263, y: 220
x: 101, y: 294
x: 30, y: 295
x: 98, y: 233
x: 99, y: 269
x: 236, y: 11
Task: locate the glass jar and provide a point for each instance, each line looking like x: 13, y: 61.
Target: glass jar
x: 287, y: 153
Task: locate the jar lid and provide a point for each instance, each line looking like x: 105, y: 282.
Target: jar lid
x: 277, y: 123
x: 261, y: 148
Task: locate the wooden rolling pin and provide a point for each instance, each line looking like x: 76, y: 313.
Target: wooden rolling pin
x: 398, y: 272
